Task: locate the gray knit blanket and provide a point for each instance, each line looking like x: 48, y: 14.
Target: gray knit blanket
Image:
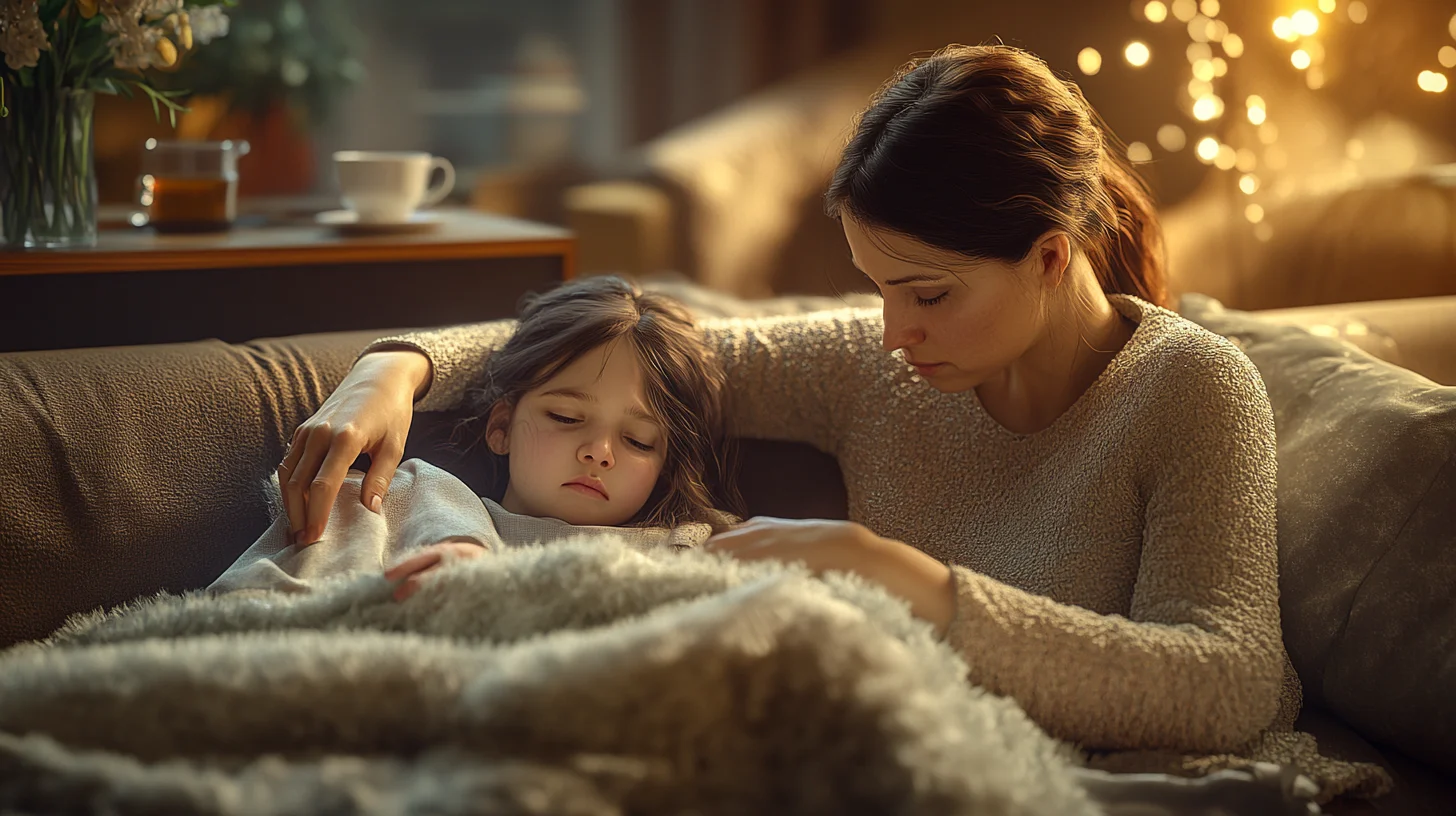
x: 585, y: 677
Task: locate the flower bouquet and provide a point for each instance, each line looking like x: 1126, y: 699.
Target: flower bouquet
x: 58, y: 55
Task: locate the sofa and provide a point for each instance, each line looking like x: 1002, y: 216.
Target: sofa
x: 128, y: 471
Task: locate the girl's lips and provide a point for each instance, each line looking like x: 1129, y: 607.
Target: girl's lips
x: 587, y: 489
x: 927, y: 369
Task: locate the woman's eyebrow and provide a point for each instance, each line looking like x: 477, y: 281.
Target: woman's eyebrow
x: 918, y: 278
x: 636, y: 411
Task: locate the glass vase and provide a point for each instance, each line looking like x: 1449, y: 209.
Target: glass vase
x: 48, y: 188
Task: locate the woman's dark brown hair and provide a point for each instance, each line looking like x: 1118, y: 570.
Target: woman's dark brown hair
x: 684, y: 381
x: 980, y: 150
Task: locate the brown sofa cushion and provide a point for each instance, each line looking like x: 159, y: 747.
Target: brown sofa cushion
x: 1367, y: 530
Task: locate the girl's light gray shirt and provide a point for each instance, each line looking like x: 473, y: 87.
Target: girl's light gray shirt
x: 425, y: 505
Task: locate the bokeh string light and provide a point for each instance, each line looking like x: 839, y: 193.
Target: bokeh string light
x: 1212, y: 47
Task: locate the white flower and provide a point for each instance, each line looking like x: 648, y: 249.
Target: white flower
x: 208, y: 23
x: 22, y: 37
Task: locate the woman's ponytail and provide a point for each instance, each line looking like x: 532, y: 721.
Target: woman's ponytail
x: 1128, y: 255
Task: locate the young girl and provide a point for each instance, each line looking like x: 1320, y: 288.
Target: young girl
x: 603, y: 410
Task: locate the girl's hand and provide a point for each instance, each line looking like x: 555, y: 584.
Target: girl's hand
x: 844, y: 546
x: 410, y: 573
x: 370, y: 412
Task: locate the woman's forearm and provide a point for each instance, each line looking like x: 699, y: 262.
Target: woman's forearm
x: 928, y: 584
x: 407, y: 367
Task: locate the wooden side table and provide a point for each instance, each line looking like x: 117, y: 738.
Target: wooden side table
x: 138, y: 287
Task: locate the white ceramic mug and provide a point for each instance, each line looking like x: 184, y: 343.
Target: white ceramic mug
x: 388, y: 186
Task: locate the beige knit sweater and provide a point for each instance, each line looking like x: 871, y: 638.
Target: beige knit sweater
x: 1116, y: 572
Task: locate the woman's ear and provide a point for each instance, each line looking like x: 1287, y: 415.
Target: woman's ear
x: 498, y: 428
x: 1053, y: 251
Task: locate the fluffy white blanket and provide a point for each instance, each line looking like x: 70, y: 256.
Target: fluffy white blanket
x: 586, y: 677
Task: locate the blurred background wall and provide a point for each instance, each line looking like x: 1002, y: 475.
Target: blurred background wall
x: 695, y: 135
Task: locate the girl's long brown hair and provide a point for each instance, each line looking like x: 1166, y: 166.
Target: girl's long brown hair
x: 684, y: 380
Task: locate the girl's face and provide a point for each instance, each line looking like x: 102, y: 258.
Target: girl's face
x: 584, y: 447
x: 958, y: 328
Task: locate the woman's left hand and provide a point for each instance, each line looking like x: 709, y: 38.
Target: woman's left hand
x: 825, y: 546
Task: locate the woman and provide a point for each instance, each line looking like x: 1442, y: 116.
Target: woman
x: 1071, y: 483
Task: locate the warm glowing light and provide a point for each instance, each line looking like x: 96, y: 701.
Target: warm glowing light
x: 1357, y: 11
x: 1451, y: 26
x: 1198, y: 29
x: 1327, y: 6
x: 1155, y: 11
x: 1089, y: 60
x: 1254, y: 213
x: 1198, y: 89
x: 1447, y: 56
x: 1305, y: 22
x: 1257, y: 112
x: 1233, y: 45
x: 1433, y: 81
x: 1209, y: 8
x: 1217, y: 30
x: 1300, y: 58
x: 1207, y: 149
x: 1268, y: 133
x: 1263, y: 232
x: 1355, y: 149
x: 1315, y: 50
x: 1199, y: 51
x: 1138, y: 153
x: 1220, y: 66
x: 1172, y: 138
x: 1137, y: 54
x: 1185, y: 10
x: 1284, y: 29
x: 1245, y: 160
x: 1203, y: 69
x: 1249, y: 184
x: 1275, y: 159
x: 1314, y: 78
x: 1226, y: 158
x: 1207, y: 107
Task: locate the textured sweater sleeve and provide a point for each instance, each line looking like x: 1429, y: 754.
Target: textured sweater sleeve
x: 788, y: 375
x: 1197, y: 663
x: 457, y: 358
x: 793, y: 377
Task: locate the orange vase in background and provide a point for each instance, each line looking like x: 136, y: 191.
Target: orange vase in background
x: 281, y: 162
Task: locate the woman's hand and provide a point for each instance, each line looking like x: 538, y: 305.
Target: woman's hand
x: 410, y: 573
x: 370, y: 412
x: 825, y: 546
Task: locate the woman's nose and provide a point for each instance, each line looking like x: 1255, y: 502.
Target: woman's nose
x: 596, y: 451
x: 901, y: 333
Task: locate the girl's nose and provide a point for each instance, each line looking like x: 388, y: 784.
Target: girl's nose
x: 597, y: 451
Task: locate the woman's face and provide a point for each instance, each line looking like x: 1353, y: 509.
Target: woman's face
x: 584, y: 447
x: 958, y: 322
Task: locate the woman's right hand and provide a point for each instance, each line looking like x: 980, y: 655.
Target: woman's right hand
x: 370, y: 412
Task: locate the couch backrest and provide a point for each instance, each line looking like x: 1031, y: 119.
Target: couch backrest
x: 132, y: 470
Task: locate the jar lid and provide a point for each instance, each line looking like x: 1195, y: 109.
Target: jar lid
x: 193, y: 159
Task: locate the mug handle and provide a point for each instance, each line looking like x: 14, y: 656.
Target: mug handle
x: 436, y: 193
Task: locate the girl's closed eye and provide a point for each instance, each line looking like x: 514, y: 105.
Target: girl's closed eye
x: 923, y: 300
x: 639, y: 445
x: 564, y: 420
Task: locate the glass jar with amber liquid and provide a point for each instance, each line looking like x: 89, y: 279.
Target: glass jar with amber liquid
x: 191, y: 186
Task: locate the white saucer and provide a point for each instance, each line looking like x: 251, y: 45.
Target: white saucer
x: 347, y: 222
